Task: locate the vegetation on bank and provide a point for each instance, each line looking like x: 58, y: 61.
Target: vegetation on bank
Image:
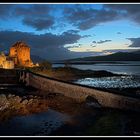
x: 68, y: 73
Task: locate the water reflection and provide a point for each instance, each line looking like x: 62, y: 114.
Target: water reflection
x: 36, y: 124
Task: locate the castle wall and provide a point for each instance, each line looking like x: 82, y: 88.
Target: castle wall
x: 8, y: 64
x: 2, y: 59
x: 13, y: 52
x: 23, y: 55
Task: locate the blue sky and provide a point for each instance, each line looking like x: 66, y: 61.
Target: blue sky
x: 60, y: 31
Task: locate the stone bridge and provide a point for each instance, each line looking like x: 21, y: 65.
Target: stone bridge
x: 79, y: 92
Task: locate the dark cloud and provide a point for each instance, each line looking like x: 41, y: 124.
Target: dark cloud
x: 42, y: 40
x: 39, y: 10
x: 130, y: 11
x: 85, y: 36
x: 119, y: 33
x: 74, y: 46
x: 5, y: 11
x: 36, y: 16
x: 39, y: 16
x: 93, y: 41
x: 135, y: 42
x: 39, y: 24
x: 100, y: 42
x: 103, y: 41
x: 73, y: 31
x: 130, y: 8
x: 46, y: 45
x: 86, y: 19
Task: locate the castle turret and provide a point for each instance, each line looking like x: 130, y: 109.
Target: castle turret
x: 20, y: 52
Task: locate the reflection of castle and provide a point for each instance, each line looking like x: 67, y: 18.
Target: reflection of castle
x: 19, y: 56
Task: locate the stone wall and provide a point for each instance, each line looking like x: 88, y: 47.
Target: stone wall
x: 80, y: 93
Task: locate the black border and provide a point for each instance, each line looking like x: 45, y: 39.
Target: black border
x: 69, y: 1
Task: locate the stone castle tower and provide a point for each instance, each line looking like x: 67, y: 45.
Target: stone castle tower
x: 20, y: 53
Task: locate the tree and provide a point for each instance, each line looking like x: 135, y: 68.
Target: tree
x: 45, y: 65
x: 67, y: 64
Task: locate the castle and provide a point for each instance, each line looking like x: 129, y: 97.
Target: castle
x: 19, y: 56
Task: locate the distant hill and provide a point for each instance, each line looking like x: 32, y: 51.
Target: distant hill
x: 36, y: 59
x: 119, y: 56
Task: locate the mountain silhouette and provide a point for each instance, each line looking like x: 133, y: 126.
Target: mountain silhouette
x: 119, y: 56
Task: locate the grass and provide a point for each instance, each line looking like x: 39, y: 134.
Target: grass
x: 70, y: 73
x: 108, y: 125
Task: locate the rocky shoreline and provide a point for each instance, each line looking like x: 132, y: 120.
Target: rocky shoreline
x: 20, y: 102
x: 15, y: 105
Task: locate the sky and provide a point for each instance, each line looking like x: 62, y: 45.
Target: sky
x: 63, y: 31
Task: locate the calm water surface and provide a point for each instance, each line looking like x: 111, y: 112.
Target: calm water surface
x: 35, y: 124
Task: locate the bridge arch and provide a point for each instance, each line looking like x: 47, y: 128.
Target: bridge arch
x: 92, y: 101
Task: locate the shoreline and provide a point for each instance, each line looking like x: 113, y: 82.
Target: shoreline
x: 72, y: 74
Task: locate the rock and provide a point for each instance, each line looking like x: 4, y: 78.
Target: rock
x: 9, y: 96
x: 25, y: 102
x: 4, y: 103
x: 31, y: 96
x: 30, y: 101
x: 24, y: 97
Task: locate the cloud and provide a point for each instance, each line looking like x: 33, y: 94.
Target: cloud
x: 39, y: 24
x: 86, y: 36
x: 87, y: 18
x: 36, y: 16
x: 119, y: 33
x: 5, y: 11
x: 93, y: 45
x: 100, y: 42
x: 40, y: 16
x: 39, y: 10
x: 46, y: 45
x: 103, y: 41
x: 68, y: 47
x: 130, y: 11
x: 93, y: 41
x: 135, y: 42
x: 74, y: 31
